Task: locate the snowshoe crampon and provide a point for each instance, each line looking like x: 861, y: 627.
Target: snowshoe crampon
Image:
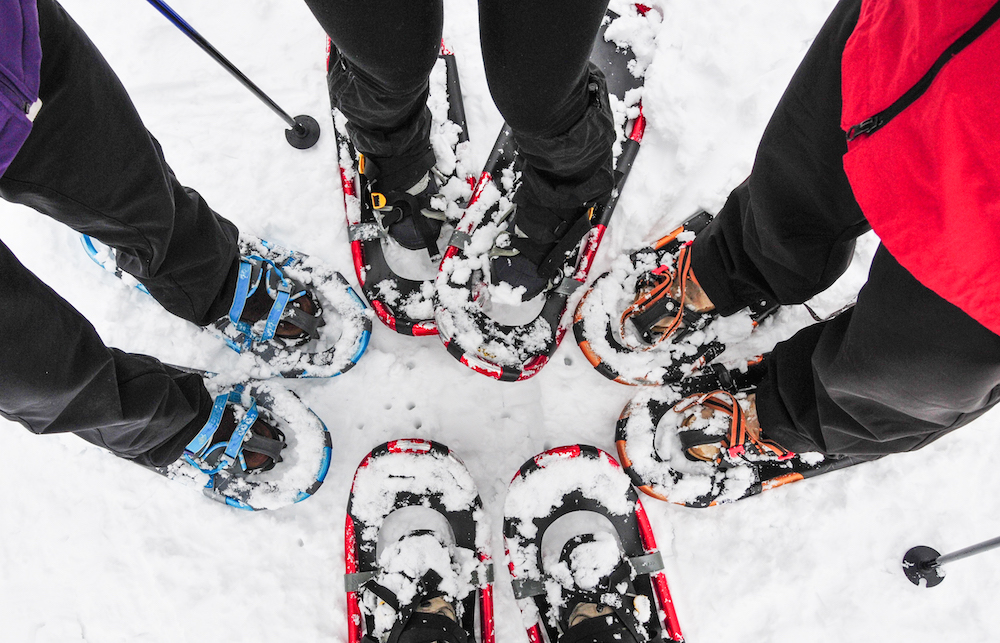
x: 633, y: 325
x: 299, y: 469
x: 333, y: 346
x: 481, y: 334
x: 568, y: 497
x: 417, y: 548
x: 398, y: 282
x: 652, y: 450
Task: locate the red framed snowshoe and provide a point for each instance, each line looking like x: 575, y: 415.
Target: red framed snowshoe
x: 472, y: 328
x: 653, y: 453
x: 408, y: 498
x: 575, y: 494
x: 405, y: 303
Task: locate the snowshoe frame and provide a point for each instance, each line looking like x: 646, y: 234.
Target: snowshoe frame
x: 360, y: 556
x: 634, y: 533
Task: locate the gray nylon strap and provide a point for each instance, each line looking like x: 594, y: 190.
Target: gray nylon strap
x: 303, y: 320
x: 365, y: 232
x: 353, y: 582
x: 476, y: 581
x: 267, y: 446
x: 459, y: 239
x: 568, y: 286
x: 647, y: 564
x: 527, y: 587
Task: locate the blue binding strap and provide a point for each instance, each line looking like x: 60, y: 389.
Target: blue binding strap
x: 201, y: 446
x: 242, y: 290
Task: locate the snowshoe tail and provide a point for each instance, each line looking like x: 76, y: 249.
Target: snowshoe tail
x: 514, y: 352
x: 437, y: 481
x: 663, y: 472
x: 404, y: 305
x: 580, y: 478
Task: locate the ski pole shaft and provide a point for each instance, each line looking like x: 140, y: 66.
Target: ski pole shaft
x: 969, y: 551
x: 304, y: 129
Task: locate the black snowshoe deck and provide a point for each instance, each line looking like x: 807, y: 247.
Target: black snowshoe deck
x: 516, y: 352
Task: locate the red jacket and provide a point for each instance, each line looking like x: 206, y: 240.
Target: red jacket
x: 929, y: 180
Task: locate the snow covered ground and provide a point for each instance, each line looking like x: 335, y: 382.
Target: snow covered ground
x: 95, y: 549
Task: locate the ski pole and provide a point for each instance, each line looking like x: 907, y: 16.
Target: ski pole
x: 304, y: 130
x: 925, y: 563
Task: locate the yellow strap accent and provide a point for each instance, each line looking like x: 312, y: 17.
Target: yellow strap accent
x: 378, y: 200
x: 361, y: 163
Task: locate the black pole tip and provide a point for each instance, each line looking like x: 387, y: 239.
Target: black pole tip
x: 920, y: 563
x: 305, y: 133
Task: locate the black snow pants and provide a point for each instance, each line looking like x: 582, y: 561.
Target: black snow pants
x: 900, y: 369
x: 91, y: 164
x: 536, y: 56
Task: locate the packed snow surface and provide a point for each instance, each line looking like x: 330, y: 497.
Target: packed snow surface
x: 121, y: 554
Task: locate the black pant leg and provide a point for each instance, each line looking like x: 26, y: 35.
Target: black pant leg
x: 383, y: 53
x: 899, y: 370
x: 536, y: 56
x: 788, y: 231
x: 57, y: 376
x: 90, y: 163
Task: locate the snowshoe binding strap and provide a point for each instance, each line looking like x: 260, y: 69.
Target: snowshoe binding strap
x: 553, y: 235
x: 737, y: 443
x: 414, y: 201
x: 211, y: 456
x: 261, y: 283
x: 659, y: 312
x: 411, y: 625
x: 612, y: 592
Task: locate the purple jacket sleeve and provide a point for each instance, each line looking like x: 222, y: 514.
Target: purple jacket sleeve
x: 20, y: 68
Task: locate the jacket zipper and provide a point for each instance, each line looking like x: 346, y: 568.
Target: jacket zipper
x: 878, y: 121
x: 14, y: 94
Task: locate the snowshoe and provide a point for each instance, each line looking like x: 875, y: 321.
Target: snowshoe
x: 274, y: 452
x: 395, y: 275
x: 417, y: 549
x: 336, y: 324
x: 688, y: 442
x: 488, y: 329
x: 633, y: 325
x: 609, y: 569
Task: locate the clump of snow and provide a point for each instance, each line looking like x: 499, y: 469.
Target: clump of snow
x: 403, y: 565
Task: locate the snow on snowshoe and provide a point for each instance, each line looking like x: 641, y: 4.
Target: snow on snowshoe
x: 633, y: 325
x: 579, y: 544
x: 417, y: 549
x: 688, y: 442
x: 500, y: 336
x: 336, y: 324
x: 399, y: 282
x: 250, y: 467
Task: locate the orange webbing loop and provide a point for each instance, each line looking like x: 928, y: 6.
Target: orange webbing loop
x: 738, y: 438
x: 679, y: 276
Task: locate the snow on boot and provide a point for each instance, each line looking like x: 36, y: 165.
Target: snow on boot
x: 528, y: 257
x: 261, y: 448
x: 417, y: 552
x: 692, y: 443
x: 580, y: 577
x: 638, y: 323
x: 292, y: 313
